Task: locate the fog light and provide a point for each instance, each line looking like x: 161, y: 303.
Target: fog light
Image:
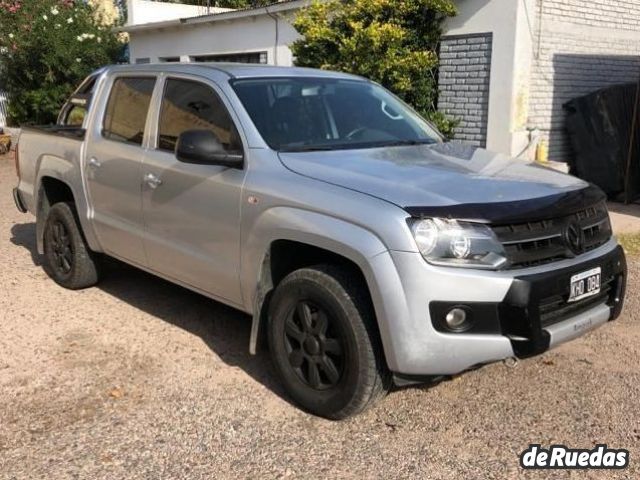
x: 456, y: 318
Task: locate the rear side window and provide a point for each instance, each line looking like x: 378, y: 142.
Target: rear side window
x: 188, y: 105
x: 75, y: 117
x: 126, y: 114
x: 74, y: 111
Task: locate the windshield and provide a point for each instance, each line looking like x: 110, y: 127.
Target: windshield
x: 306, y: 114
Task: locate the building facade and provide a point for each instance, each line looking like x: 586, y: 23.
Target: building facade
x: 192, y: 34
x: 507, y: 66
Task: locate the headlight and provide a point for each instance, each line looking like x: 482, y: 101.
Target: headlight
x: 458, y: 244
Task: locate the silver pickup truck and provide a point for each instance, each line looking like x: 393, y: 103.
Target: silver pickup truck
x: 368, y: 250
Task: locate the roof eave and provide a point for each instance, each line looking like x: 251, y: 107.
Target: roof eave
x: 216, y: 17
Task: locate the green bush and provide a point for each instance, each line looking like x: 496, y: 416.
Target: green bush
x: 393, y: 42
x: 46, y: 48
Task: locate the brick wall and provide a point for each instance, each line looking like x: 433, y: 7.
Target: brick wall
x: 465, y: 64
x: 583, y: 46
x: 617, y: 14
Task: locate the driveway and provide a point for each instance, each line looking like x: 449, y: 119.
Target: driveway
x: 139, y: 378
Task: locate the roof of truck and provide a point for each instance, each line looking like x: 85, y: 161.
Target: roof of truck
x: 234, y: 70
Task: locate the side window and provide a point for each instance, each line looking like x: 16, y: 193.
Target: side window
x: 75, y: 117
x: 188, y: 105
x: 126, y: 114
x: 75, y: 110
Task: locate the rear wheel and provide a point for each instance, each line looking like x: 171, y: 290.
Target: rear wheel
x: 68, y: 259
x: 324, y: 343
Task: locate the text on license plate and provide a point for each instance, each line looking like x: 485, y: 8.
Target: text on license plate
x: 585, y: 284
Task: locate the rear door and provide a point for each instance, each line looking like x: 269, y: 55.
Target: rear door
x: 113, y: 163
x: 192, y: 212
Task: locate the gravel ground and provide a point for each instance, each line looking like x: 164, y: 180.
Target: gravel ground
x: 139, y: 378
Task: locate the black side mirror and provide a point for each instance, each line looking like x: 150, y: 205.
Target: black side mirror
x: 203, y: 147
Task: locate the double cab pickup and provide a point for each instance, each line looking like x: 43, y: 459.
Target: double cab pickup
x: 367, y: 249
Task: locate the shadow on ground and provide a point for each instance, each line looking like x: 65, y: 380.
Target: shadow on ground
x: 223, y: 329
x: 24, y: 235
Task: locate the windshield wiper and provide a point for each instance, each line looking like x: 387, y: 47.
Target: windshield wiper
x: 311, y: 148
x: 354, y: 146
x: 402, y: 143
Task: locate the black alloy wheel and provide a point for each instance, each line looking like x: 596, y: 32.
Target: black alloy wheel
x: 314, y: 345
x: 324, y: 341
x: 61, y: 248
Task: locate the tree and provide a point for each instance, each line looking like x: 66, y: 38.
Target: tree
x: 106, y: 12
x: 393, y: 42
x: 46, y: 48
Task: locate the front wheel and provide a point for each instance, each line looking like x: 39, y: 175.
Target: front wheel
x: 324, y: 342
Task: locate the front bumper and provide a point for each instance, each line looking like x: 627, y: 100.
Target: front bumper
x: 536, y: 316
x: 515, y: 313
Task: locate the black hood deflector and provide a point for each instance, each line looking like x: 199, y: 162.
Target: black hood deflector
x: 521, y: 211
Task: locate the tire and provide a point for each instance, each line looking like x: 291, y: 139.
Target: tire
x: 324, y: 342
x: 68, y: 260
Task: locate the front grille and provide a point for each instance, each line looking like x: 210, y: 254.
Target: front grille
x: 536, y: 243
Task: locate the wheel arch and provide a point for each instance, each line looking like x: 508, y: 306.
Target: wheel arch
x: 58, y: 171
x: 51, y: 189
x: 284, y: 239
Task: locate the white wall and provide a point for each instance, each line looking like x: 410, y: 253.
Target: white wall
x: 145, y: 11
x: 509, y: 21
x: 241, y: 35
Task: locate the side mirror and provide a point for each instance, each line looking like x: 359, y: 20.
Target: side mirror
x: 203, y: 147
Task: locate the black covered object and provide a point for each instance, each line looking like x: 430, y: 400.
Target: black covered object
x: 606, y: 140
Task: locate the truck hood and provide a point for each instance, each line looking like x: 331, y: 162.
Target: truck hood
x: 438, y: 175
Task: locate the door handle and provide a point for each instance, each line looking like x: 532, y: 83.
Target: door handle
x: 151, y: 180
x: 94, y: 163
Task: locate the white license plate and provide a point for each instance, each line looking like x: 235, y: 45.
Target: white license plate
x: 585, y: 284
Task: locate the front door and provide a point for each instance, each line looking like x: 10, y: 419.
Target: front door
x: 192, y: 212
x: 113, y: 164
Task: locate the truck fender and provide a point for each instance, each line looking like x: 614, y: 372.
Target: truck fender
x: 354, y: 242
x: 66, y: 172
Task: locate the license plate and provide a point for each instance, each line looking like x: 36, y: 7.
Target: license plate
x: 585, y: 284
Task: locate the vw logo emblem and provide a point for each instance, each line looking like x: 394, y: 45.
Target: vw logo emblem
x: 574, y: 238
